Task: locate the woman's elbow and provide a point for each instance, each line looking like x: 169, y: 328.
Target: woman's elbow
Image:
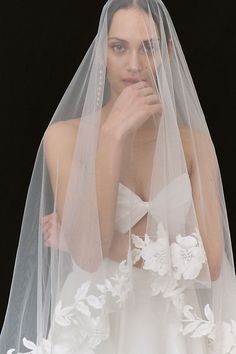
x: 215, y: 268
x: 215, y: 273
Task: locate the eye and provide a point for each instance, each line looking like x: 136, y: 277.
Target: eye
x: 150, y: 47
x: 119, y: 48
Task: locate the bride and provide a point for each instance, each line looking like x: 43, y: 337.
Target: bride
x: 125, y: 246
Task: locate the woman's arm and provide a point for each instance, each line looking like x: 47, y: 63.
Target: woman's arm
x: 59, y: 143
x: 133, y: 107
x: 206, y: 197
x: 108, y: 166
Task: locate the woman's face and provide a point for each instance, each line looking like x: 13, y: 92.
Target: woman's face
x: 132, y: 51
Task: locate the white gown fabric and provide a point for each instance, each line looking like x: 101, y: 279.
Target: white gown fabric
x: 149, y: 325
x: 176, y: 196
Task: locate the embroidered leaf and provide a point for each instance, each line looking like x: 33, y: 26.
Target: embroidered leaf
x: 62, y: 315
x: 65, y: 311
x: 94, y: 301
x: 136, y: 255
x: 190, y: 327
x: 102, y: 288
x: 123, y: 267
x: 209, y: 313
x: 62, y: 321
x: 10, y: 351
x: 202, y: 330
x: 187, y: 312
x: 108, y: 285
x: 28, y: 344
x: 82, y: 291
x: 83, y: 308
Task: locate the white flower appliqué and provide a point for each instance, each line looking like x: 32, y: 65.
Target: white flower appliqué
x: 188, y: 256
x: 156, y: 254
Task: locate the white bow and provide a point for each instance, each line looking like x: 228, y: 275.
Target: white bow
x: 171, y: 204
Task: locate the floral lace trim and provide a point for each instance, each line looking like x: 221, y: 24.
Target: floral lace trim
x: 92, y: 330
x: 169, y: 264
x: 199, y: 327
x: 181, y: 259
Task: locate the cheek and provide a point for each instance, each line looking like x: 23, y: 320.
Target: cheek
x: 151, y: 71
x: 153, y: 63
x: 114, y: 67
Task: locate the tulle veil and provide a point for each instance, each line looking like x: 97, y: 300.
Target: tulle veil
x: 160, y: 210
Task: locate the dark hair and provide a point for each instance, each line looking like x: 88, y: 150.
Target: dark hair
x: 149, y: 6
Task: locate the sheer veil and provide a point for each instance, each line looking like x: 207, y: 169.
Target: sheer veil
x: 127, y: 175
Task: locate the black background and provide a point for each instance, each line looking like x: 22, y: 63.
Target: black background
x: 42, y: 45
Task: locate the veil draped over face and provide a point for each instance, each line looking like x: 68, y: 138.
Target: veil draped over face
x: 125, y: 206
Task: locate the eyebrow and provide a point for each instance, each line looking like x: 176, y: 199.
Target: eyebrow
x: 144, y: 41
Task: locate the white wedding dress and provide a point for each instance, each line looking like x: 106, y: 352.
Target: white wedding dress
x: 145, y: 324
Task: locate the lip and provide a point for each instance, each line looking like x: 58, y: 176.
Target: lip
x: 131, y: 80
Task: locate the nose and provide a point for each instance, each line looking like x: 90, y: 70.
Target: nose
x: 134, y: 62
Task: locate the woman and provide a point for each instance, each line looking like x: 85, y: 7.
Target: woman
x: 125, y: 246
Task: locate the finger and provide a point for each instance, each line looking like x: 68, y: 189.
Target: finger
x: 50, y: 221
x: 46, y: 235
x: 156, y: 108
x: 50, y: 232
x: 152, y: 99
x: 47, y: 217
x: 140, y: 84
x: 50, y: 241
x: 145, y: 91
x: 47, y: 227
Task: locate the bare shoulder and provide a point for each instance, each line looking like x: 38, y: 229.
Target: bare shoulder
x: 61, y: 135
x: 200, y: 138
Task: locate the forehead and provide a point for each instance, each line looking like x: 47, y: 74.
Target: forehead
x: 133, y: 24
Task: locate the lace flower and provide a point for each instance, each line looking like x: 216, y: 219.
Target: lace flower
x: 156, y: 254
x: 188, y: 256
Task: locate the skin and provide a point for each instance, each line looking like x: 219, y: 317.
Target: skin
x: 121, y: 114
x: 130, y: 54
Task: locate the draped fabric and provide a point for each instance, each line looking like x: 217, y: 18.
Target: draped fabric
x: 125, y: 246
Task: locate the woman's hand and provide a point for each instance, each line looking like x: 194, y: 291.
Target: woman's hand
x: 134, y: 106
x: 51, y: 230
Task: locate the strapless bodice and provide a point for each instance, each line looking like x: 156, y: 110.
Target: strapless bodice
x: 173, y: 201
